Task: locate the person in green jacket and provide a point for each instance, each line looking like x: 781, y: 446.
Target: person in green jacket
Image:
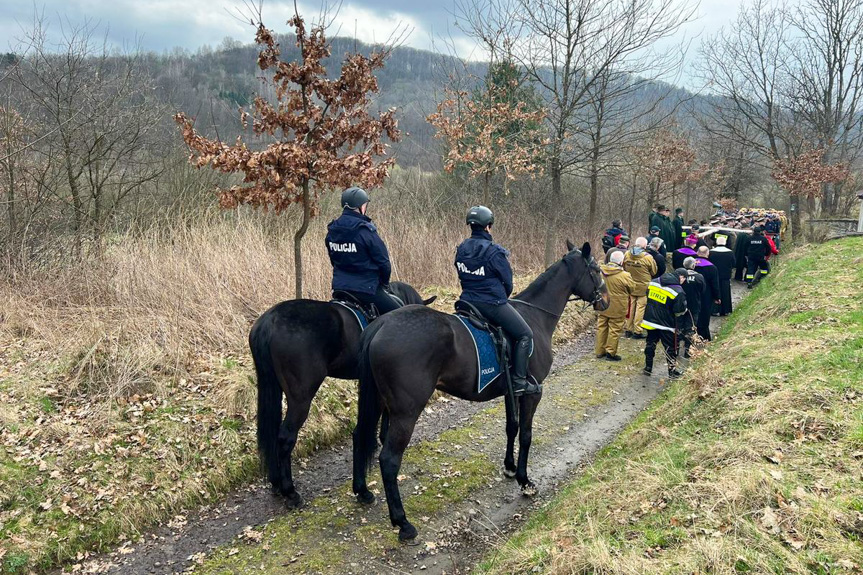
x: 666, y: 227
x: 679, y: 234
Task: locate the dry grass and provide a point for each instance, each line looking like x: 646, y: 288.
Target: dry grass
x: 752, y: 464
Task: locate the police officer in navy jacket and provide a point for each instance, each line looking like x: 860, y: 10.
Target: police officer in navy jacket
x: 361, y: 263
x: 486, y: 282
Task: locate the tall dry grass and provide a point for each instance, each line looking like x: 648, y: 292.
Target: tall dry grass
x: 156, y: 297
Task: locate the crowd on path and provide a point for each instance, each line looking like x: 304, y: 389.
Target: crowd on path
x: 665, y: 288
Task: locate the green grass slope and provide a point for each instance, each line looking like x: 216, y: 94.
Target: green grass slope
x: 753, y: 463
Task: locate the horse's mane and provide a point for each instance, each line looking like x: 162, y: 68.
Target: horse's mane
x: 542, y: 280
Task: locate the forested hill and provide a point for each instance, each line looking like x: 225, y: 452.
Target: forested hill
x: 212, y: 83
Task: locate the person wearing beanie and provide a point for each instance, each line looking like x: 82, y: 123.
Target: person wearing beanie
x: 666, y: 303
x: 622, y: 246
x: 609, y: 323
x: 687, y: 251
x: 654, y: 235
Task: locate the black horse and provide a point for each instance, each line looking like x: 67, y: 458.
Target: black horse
x: 408, y: 353
x: 295, y: 345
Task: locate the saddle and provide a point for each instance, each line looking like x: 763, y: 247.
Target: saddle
x: 365, y: 313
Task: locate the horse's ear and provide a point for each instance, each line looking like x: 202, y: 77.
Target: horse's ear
x: 585, y: 250
x: 429, y: 300
x: 569, y: 246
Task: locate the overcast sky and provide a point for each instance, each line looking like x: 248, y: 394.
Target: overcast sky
x: 160, y: 25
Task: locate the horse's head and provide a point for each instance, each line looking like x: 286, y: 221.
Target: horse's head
x: 408, y: 294
x: 587, y: 281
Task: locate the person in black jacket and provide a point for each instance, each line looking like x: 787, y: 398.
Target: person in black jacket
x: 653, y: 248
x: 695, y: 288
x: 723, y: 258
x: 711, y: 296
x: 666, y: 302
x: 757, y: 253
x: 741, y: 247
x: 654, y: 233
x: 361, y: 263
x: 678, y: 229
x: 486, y: 282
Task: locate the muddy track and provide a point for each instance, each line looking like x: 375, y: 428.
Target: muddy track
x: 586, y: 403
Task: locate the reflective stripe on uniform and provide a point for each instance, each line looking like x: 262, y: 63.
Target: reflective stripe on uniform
x: 750, y: 276
x: 650, y: 325
x: 764, y: 272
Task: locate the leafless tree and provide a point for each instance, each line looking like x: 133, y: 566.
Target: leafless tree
x: 569, y: 48
x: 100, y: 118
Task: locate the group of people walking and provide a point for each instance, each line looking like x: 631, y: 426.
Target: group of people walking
x: 667, y: 287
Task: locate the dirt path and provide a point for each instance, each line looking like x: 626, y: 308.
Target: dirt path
x: 451, y: 484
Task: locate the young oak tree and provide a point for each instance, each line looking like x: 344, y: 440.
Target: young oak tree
x: 323, y: 134
x: 805, y: 174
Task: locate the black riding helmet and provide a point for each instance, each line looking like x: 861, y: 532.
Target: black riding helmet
x: 354, y: 197
x: 480, y: 216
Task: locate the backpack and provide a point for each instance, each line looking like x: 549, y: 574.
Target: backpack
x: 609, y: 241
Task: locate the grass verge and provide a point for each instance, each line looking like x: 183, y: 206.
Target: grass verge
x: 752, y: 463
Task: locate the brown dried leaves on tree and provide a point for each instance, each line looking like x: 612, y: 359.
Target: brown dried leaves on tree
x: 490, y: 133
x: 805, y: 174
x: 324, y: 136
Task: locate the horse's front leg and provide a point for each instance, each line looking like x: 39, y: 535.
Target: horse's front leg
x: 509, y: 469
x: 528, y: 405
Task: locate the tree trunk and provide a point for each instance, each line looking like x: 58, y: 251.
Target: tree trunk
x: 594, y: 185
x: 10, y: 193
x: 794, y: 200
x: 553, y: 208
x: 77, y: 204
x: 486, y: 189
x: 632, y: 202
x: 298, y: 241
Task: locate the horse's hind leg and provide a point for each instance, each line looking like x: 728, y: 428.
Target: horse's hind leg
x: 511, y: 432
x: 296, y: 416
x: 385, y: 425
x: 525, y: 434
x: 398, y: 436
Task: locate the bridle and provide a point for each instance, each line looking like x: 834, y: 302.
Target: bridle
x: 596, y: 296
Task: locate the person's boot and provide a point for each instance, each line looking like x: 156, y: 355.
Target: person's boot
x: 521, y: 385
x: 648, y: 365
x: 627, y: 334
x: 674, y: 372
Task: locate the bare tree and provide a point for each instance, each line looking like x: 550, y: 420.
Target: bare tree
x: 569, y: 48
x: 789, y: 80
x: 100, y: 120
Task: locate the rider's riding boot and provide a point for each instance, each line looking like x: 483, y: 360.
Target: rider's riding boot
x: 520, y: 357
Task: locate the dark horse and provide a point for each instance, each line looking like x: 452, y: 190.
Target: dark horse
x: 295, y: 345
x: 408, y: 353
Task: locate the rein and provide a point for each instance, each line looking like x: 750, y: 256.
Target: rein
x: 597, y: 296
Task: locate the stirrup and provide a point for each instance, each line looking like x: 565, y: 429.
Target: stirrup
x: 526, y: 388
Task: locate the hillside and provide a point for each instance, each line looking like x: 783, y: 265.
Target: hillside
x: 213, y: 83
x: 750, y: 464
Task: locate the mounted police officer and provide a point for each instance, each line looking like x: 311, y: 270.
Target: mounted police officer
x: 486, y: 282
x: 361, y: 263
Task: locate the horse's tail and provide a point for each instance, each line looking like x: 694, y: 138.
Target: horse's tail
x: 269, y: 399
x: 369, y: 409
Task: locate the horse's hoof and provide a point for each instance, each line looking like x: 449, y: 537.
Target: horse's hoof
x: 509, y: 473
x: 529, y: 489
x: 408, y: 534
x: 293, y: 500
x: 366, y: 497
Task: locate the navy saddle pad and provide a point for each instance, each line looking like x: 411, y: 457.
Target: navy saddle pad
x: 358, y: 313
